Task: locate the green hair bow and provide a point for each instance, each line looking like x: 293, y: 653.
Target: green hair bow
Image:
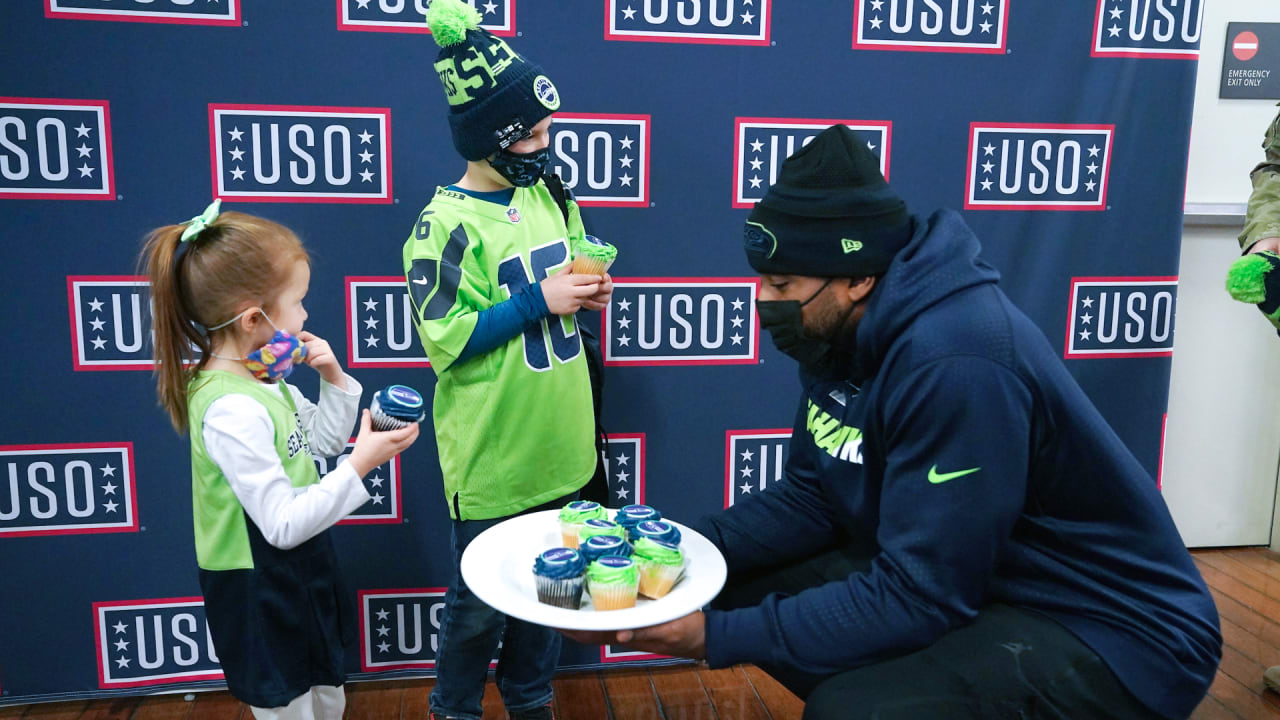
x: 198, y: 223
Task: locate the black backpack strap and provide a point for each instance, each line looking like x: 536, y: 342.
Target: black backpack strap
x: 596, y: 489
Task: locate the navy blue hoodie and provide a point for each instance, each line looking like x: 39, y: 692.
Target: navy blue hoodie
x: 982, y: 473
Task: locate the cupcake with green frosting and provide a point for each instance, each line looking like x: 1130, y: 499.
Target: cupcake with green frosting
x: 612, y: 582
x: 572, y: 517
x: 593, y: 256
x: 660, y: 564
x: 597, y: 526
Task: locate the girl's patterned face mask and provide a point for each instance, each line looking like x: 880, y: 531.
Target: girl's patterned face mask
x: 275, y: 360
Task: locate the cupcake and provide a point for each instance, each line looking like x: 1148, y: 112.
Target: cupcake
x: 395, y: 407
x: 629, y: 516
x: 600, y: 546
x: 660, y: 564
x: 573, y: 515
x: 614, y: 581
x: 557, y: 573
x: 657, y: 530
x: 593, y: 256
x: 596, y: 526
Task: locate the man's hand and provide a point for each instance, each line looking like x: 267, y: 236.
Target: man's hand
x: 1271, y: 244
x: 683, y: 637
x: 565, y: 293
x: 320, y: 356
x: 601, y: 298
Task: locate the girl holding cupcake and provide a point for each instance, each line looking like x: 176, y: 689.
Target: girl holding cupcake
x: 227, y: 294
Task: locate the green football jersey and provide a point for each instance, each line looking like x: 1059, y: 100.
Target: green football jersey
x: 222, y: 539
x: 515, y: 427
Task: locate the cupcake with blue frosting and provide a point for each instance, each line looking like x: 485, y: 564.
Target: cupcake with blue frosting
x: 558, y: 575
x: 603, y: 545
x: 657, y: 530
x: 395, y: 407
x: 629, y: 516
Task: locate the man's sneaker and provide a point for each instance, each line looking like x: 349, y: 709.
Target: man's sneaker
x: 432, y: 715
x: 538, y: 713
x: 1271, y: 676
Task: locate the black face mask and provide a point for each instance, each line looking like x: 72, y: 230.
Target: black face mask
x: 521, y: 169
x: 819, y: 357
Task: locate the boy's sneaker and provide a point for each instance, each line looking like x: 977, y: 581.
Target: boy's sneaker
x: 432, y: 715
x: 538, y: 713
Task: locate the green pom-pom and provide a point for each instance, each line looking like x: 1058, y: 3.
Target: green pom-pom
x: 1246, y: 280
x: 450, y: 20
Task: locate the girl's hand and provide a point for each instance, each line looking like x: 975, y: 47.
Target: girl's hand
x: 565, y: 293
x: 320, y: 357
x: 374, y: 448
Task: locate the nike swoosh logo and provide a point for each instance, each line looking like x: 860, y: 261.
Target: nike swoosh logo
x: 936, y: 477
x: 420, y: 281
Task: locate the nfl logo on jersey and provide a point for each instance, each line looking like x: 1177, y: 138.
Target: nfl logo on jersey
x: 409, y: 16
x: 603, y: 158
x: 959, y: 26
x: 1030, y: 166
x: 177, y: 12
x: 513, y: 215
x: 761, y: 144
x: 55, y: 149
x: 1148, y: 28
x: 110, y: 322
x: 153, y: 642
x: 718, y: 22
x: 1121, y: 317
x: 279, y: 153
x: 380, y: 330
x: 68, y: 489
x: 754, y: 460
x: 681, y: 321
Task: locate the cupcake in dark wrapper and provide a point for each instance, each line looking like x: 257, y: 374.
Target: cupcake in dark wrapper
x: 396, y: 406
x: 558, y: 575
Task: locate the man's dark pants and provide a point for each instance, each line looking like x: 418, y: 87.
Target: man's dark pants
x: 1008, y: 663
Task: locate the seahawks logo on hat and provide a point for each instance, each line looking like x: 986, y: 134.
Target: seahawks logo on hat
x: 850, y: 245
x: 759, y: 240
x: 546, y: 93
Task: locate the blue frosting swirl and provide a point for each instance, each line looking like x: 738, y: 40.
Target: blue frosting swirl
x: 559, y: 563
x: 657, y: 530
x: 631, y: 515
x: 602, y: 545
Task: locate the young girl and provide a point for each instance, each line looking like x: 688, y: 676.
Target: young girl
x: 227, y: 293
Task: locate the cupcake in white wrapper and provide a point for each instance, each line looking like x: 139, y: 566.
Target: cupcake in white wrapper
x: 593, y: 256
x: 614, y: 582
x: 660, y: 563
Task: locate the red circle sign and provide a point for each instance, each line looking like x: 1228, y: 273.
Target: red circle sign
x: 1244, y: 46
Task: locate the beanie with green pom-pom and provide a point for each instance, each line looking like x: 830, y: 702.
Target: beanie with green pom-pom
x: 1252, y: 279
x: 495, y: 95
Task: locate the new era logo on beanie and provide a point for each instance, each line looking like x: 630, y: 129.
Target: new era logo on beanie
x: 830, y: 214
x: 495, y: 95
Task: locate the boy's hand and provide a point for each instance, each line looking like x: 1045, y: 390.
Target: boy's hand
x: 376, y: 447
x: 601, y: 299
x: 320, y: 357
x: 565, y: 293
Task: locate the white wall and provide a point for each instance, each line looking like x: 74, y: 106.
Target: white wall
x: 1222, y: 439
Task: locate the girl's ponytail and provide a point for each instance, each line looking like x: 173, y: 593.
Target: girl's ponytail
x: 181, y: 346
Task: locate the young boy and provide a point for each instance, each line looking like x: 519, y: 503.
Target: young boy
x: 487, y: 267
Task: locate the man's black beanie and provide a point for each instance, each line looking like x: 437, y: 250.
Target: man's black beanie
x: 830, y: 214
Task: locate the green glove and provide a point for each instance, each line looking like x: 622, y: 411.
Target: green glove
x: 1252, y: 279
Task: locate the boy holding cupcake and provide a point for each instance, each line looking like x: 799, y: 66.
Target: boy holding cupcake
x: 487, y: 266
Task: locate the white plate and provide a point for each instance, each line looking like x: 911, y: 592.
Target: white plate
x: 498, y: 567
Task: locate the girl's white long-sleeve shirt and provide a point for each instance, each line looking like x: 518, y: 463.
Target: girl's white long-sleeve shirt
x: 238, y: 435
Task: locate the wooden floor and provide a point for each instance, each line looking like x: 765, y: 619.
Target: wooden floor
x: 1245, y: 583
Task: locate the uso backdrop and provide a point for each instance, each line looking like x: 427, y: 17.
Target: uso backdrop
x: 1059, y: 129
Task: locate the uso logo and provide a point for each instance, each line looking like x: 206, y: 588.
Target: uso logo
x: 383, y: 484
x: 720, y: 22
x: 380, y: 329
x: 624, y: 468
x: 1148, y: 28
x: 110, y: 322
x: 962, y: 26
x: 761, y: 144
x: 1031, y: 166
x: 55, y: 149
x: 153, y: 642
x: 602, y: 158
x: 753, y: 460
x: 1121, y: 317
x: 409, y: 16
x: 399, y: 629
x: 179, y: 12
x: 67, y: 489
x: 286, y: 153
x: 681, y: 321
